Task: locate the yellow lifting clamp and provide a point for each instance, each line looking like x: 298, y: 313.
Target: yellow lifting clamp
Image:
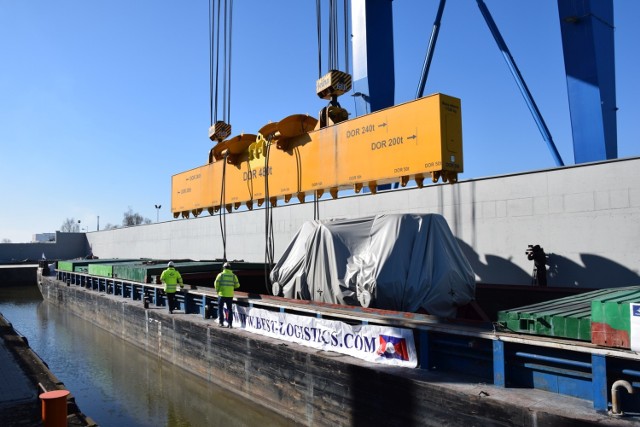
x: 231, y: 148
x: 292, y: 127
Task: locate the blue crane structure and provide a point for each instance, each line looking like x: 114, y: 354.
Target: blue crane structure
x: 588, y: 47
x: 589, y: 61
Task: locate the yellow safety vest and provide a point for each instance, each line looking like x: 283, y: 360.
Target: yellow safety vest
x: 226, y: 282
x: 170, y: 277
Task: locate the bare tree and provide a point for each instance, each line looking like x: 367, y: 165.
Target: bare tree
x: 110, y: 226
x: 134, y: 218
x: 5, y: 240
x: 70, y: 225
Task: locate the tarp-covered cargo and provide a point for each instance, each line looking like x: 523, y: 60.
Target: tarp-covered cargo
x: 404, y: 262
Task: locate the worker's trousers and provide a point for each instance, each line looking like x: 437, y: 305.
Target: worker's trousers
x: 171, y: 301
x: 228, y: 302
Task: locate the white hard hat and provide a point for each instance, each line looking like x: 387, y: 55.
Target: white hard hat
x: 170, y: 264
x: 226, y: 265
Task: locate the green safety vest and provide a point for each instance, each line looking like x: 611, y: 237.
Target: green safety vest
x: 226, y: 282
x: 170, y: 277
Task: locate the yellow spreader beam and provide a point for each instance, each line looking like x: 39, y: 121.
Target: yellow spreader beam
x: 412, y: 141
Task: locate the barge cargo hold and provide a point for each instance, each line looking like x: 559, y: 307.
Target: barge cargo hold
x: 469, y: 373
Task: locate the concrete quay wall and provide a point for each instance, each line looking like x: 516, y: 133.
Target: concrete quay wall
x: 586, y: 217
x: 315, y: 388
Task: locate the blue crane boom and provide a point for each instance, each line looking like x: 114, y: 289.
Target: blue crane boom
x: 372, y: 41
x: 587, y: 38
x: 589, y: 60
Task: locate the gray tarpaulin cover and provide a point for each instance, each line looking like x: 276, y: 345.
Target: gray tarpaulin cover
x: 404, y: 262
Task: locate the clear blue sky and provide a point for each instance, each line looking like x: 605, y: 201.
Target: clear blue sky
x: 101, y: 102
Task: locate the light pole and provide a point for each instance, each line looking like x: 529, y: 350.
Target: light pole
x: 157, y: 212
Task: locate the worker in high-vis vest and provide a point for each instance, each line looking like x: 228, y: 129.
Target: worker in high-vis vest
x: 171, y: 278
x: 226, y: 283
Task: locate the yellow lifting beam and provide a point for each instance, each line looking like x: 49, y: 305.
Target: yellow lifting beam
x: 415, y: 140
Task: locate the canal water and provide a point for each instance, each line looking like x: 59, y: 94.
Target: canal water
x: 117, y: 384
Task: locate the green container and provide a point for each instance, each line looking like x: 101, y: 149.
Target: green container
x: 106, y: 269
x: 568, y: 317
x: 82, y: 265
x: 611, y: 317
x: 69, y: 265
x: 150, y: 271
x: 146, y: 272
x: 134, y: 272
x: 103, y: 270
x: 601, y: 317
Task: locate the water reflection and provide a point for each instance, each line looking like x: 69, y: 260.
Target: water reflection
x: 116, y: 383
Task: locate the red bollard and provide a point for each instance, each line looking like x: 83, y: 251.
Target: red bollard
x: 54, y: 408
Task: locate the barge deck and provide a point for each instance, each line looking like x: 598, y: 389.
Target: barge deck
x: 484, y: 375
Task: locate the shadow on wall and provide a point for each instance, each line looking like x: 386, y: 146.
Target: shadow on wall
x: 598, y: 272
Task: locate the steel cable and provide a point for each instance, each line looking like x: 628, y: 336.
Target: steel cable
x: 319, y: 29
